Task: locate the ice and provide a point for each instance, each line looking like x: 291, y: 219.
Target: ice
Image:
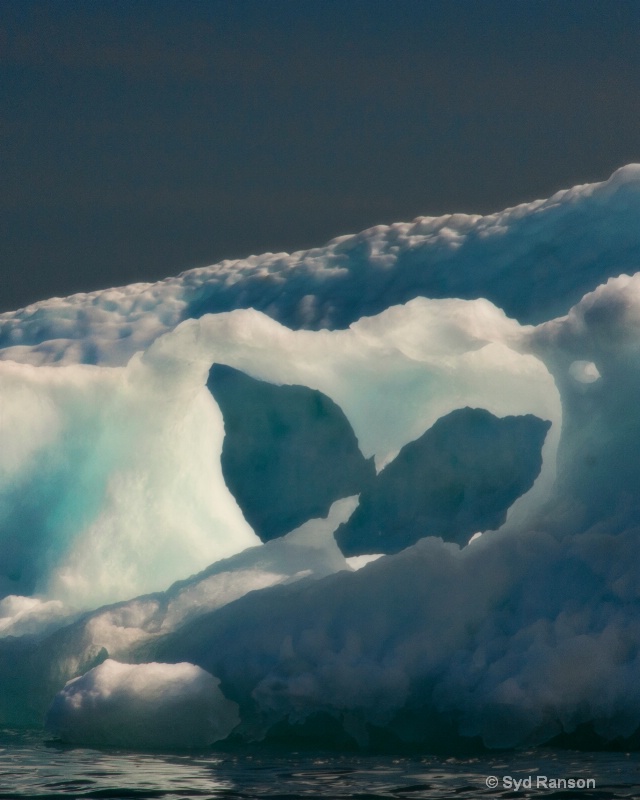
x: 143, y: 706
x: 126, y: 631
x: 21, y: 615
x: 393, y: 375
x: 474, y: 380
x: 512, y: 640
x: 534, y: 261
x: 124, y: 493
x: 110, y: 482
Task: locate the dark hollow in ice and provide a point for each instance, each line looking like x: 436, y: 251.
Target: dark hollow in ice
x: 289, y: 452
x: 459, y: 477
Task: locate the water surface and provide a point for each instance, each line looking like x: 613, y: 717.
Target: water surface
x: 34, y: 766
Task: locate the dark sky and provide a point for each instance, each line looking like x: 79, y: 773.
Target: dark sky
x: 138, y: 139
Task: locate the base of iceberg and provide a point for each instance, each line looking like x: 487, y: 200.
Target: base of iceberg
x: 146, y: 706
x: 195, y: 475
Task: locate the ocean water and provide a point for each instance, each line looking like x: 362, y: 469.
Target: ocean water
x: 33, y: 765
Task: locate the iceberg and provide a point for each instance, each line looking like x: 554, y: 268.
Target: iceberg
x: 385, y: 491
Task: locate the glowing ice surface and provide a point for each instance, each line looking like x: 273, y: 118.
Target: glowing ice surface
x: 143, y: 705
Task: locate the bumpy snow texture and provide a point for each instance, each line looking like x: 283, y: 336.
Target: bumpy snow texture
x: 195, y: 474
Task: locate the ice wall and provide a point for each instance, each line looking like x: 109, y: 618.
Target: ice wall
x: 511, y: 641
x: 36, y: 662
x: 594, y: 355
x: 110, y: 482
x: 112, y: 489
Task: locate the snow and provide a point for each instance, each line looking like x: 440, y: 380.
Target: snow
x: 489, y: 367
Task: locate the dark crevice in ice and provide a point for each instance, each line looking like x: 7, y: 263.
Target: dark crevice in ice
x: 459, y: 477
x: 289, y: 451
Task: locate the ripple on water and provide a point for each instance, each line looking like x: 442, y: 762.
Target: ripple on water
x: 32, y: 767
